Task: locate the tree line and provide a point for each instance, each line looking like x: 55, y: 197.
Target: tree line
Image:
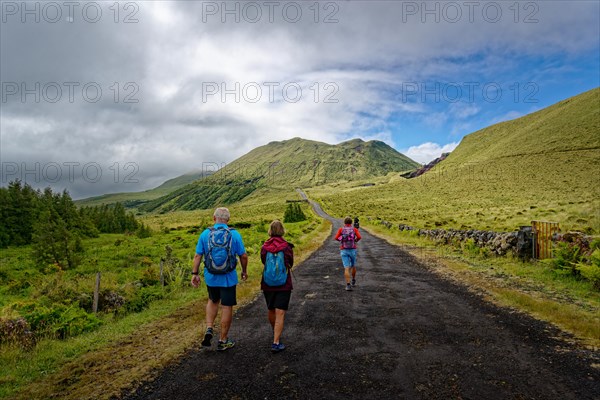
x: 54, y: 226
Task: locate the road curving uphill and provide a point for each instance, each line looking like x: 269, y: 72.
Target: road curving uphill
x: 403, y: 333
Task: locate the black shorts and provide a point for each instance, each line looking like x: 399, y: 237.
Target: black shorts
x: 279, y: 299
x: 226, y: 295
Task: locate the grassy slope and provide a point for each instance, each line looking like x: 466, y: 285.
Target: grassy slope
x: 101, y: 363
x: 291, y: 163
x: 134, y: 198
x: 541, y: 166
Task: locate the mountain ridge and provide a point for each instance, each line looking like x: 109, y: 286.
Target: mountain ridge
x: 279, y: 164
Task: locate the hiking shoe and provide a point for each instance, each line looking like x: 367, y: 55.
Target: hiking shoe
x: 227, y: 344
x: 348, y: 287
x: 208, y: 335
x: 277, y: 347
x: 353, y: 282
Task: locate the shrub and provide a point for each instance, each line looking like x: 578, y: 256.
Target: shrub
x: 591, y: 271
x: 59, y: 320
x: 293, y: 213
x: 469, y: 248
x: 566, y: 257
x: 143, y: 297
x: 143, y: 231
x: 16, y: 331
x: 150, y: 277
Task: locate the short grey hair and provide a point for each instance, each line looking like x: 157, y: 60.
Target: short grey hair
x: 222, y: 214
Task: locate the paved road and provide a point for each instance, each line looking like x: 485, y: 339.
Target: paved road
x: 403, y: 333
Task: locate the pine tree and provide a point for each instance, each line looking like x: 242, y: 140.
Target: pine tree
x: 18, y: 210
x: 293, y: 213
x: 55, y: 237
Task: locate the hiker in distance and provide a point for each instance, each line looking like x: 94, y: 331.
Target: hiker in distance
x: 220, y: 246
x: 356, y: 222
x: 348, y: 236
x: 278, y: 258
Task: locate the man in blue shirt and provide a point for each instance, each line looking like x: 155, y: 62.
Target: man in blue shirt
x: 221, y: 287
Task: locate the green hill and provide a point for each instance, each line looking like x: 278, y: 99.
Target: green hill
x: 543, y: 166
x: 135, y: 199
x: 287, y: 164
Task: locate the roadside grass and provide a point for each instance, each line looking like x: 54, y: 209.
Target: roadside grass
x: 91, y: 364
x: 126, y: 350
x: 572, y: 305
x: 537, y: 167
x: 492, y: 195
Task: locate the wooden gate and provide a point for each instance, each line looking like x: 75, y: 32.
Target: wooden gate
x: 542, y: 238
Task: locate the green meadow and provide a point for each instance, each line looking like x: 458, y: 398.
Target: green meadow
x: 57, y: 303
x: 543, y: 166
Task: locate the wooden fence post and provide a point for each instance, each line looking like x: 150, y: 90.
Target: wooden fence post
x: 96, y: 294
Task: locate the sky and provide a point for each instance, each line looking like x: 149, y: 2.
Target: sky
x: 103, y: 97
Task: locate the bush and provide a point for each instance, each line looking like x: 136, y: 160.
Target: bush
x: 566, y: 257
x: 591, y: 271
x: 16, y: 331
x: 470, y: 248
x: 143, y: 231
x: 142, y: 298
x: 59, y: 321
x: 150, y: 277
x: 293, y: 213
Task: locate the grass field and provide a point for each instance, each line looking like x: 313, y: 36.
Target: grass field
x: 539, y: 167
x: 106, y: 356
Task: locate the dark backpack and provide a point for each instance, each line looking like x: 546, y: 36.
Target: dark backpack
x: 220, y: 258
x: 275, y: 272
x: 348, y: 237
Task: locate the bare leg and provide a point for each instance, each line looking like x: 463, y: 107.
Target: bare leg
x: 272, y: 318
x: 226, y: 316
x: 347, y: 274
x: 353, y: 272
x: 278, y: 328
x: 211, y: 313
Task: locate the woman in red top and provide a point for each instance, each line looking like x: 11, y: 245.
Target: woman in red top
x: 277, y: 297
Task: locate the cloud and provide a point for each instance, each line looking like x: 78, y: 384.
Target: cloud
x: 428, y: 151
x: 463, y: 111
x: 350, y: 73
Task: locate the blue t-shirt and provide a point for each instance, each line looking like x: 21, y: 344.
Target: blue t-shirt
x: 237, y: 246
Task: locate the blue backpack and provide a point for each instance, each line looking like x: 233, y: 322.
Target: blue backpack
x: 275, y: 272
x: 220, y: 258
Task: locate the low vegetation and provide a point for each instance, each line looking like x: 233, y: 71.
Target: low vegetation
x: 45, y: 313
x: 538, y: 167
x: 294, y: 213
